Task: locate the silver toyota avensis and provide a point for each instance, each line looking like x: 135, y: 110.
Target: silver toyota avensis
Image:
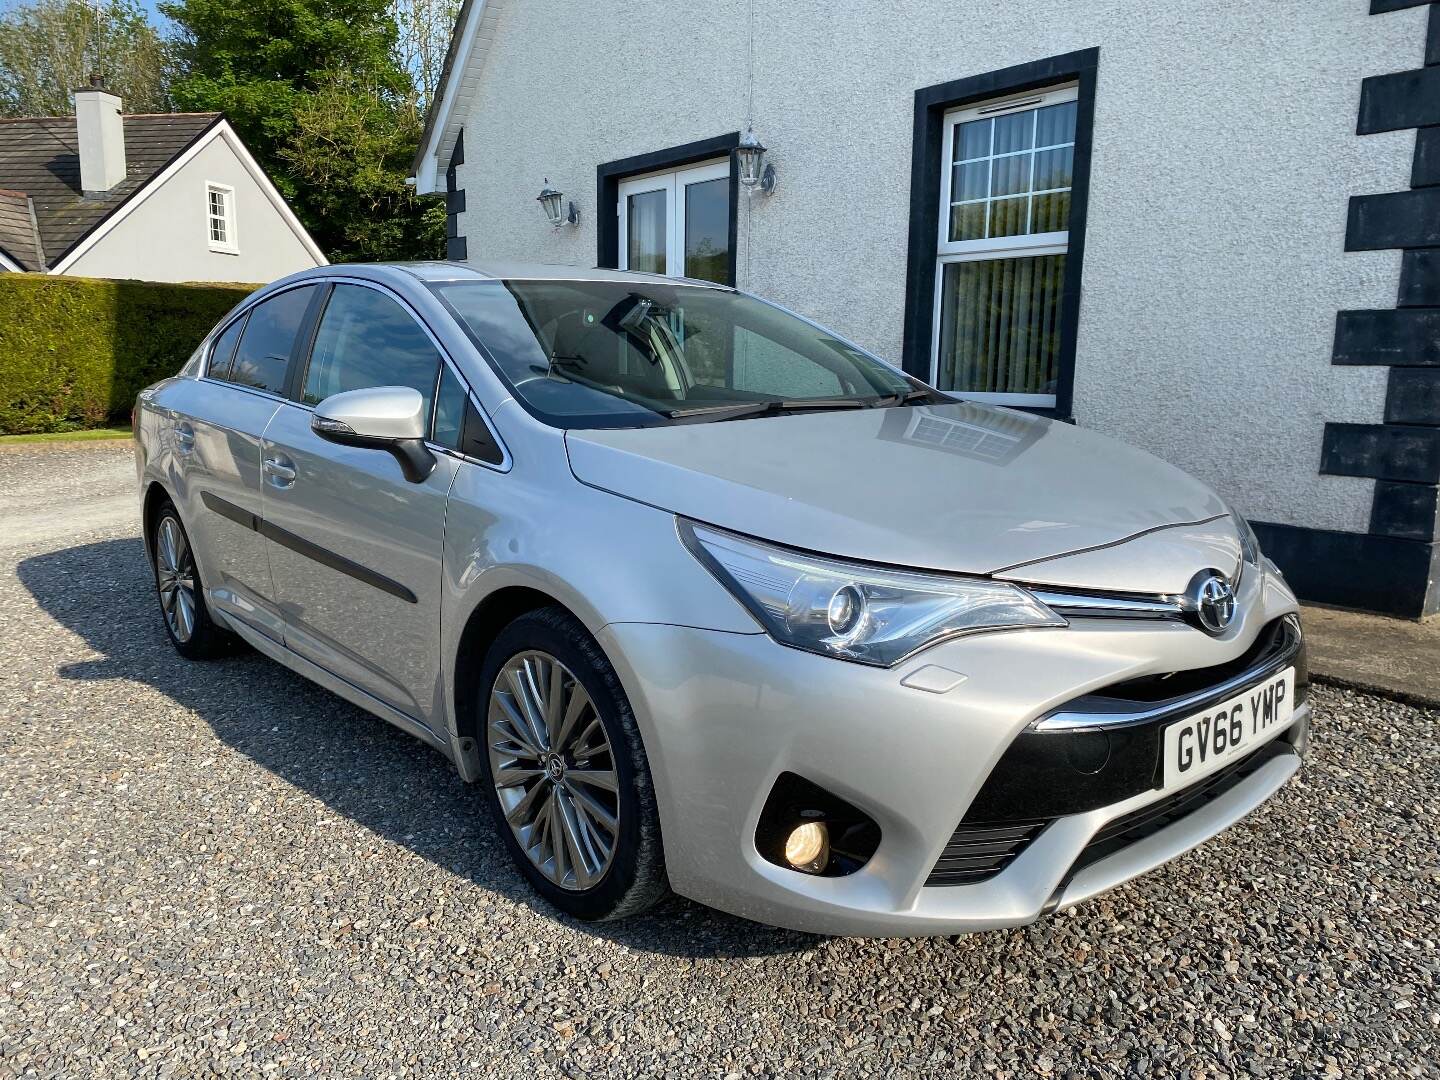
x: 706, y: 598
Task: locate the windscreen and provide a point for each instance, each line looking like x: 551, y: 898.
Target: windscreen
x: 625, y: 354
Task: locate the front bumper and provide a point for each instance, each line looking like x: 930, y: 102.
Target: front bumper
x: 723, y: 715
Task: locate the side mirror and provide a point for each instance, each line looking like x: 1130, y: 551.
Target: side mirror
x: 391, y: 418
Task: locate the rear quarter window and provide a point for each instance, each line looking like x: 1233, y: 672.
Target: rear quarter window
x: 263, y: 359
x: 224, y: 350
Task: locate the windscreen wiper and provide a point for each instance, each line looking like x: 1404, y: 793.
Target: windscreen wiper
x: 764, y: 408
x: 904, y: 398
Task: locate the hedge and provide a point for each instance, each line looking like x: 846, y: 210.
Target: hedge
x: 74, y: 352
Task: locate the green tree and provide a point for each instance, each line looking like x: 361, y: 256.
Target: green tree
x: 318, y: 91
x: 255, y: 61
x: 351, y: 151
x: 422, y: 38
x: 50, y: 47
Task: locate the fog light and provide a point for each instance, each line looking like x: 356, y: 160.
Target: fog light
x: 807, y: 848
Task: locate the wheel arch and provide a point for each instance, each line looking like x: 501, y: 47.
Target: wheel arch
x: 491, y: 615
x: 155, y: 495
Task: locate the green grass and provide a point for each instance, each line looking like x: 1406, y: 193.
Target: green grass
x: 87, y: 435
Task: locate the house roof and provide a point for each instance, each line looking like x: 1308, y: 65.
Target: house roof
x: 40, y: 163
x: 476, y: 25
x: 18, y: 241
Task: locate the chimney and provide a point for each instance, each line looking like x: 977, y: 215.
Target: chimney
x: 101, y: 136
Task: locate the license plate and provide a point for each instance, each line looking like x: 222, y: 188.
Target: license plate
x: 1200, y: 744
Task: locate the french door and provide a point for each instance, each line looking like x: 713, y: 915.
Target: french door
x: 678, y: 223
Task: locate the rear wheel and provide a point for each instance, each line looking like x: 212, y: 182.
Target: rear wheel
x: 182, y: 599
x: 567, y: 778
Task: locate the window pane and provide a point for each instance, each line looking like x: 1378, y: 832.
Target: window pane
x: 1055, y: 124
x: 764, y: 366
x: 366, y: 339
x: 1012, y: 175
x: 224, y: 350
x: 1009, y: 168
x: 1013, y: 132
x: 450, y: 410
x: 646, y: 243
x: 707, y: 230
x: 967, y: 222
x: 1051, y: 213
x: 1000, y: 325
x: 1053, y: 168
x: 607, y: 354
x: 1008, y: 216
x: 971, y: 181
x: 972, y: 140
x: 264, y: 354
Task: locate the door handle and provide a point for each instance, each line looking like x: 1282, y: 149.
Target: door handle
x: 281, y: 470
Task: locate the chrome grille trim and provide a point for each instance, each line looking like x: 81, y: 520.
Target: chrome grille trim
x: 1096, y: 605
x: 1272, y: 663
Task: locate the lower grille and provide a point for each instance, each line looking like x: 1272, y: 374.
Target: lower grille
x: 979, y: 850
x: 1148, y: 820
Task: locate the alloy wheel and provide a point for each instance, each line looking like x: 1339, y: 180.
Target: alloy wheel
x: 175, y: 577
x: 553, y: 770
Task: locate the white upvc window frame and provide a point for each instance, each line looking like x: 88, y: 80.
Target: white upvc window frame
x: 1029, y: 245
x: 673, y: 182
x: 231, y: 244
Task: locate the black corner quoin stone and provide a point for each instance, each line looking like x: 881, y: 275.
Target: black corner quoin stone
x: 1382, y: 451
x: 1407, y: 511
x: 1395, y: 219
x: 1401, y: 336
x: 456, y: 249
x: 1420, y: 278
x: 1425, y: 172
x: 1402, y: 99
x: 1394, y: 568
x: 1379, y: 7
x: 1413, y: 396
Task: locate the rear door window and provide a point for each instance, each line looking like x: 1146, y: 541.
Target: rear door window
x: 224, y: 350
x: 367, y: 339
x: 263, y: 357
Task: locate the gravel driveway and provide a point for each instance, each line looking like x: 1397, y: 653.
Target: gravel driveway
x: 215, y: 869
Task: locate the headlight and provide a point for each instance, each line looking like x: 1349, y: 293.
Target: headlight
x: 856, y: 612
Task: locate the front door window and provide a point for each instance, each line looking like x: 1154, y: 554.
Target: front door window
x: 678, y: 223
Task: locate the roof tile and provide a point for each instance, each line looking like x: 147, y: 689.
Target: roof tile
x: 39, y: 157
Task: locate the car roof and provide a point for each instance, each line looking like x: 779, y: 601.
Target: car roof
x: 487, y: 271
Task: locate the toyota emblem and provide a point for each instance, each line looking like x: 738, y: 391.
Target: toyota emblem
x: 1212, y: 599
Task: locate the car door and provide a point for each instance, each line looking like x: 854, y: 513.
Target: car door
x: 216, y: 432
x: 355, y: 549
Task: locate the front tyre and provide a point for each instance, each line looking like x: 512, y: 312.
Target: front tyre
x: 182, y: 599
x: 567, y: 779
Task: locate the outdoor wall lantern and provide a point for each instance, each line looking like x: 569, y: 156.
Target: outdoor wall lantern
x: 555, y: 207
x: 750, y: 154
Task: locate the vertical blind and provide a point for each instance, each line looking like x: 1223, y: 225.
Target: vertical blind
x: 1000, y: 325
x: 648, y: 218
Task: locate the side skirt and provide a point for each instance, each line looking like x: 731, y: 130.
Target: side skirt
x: 336, y: 685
